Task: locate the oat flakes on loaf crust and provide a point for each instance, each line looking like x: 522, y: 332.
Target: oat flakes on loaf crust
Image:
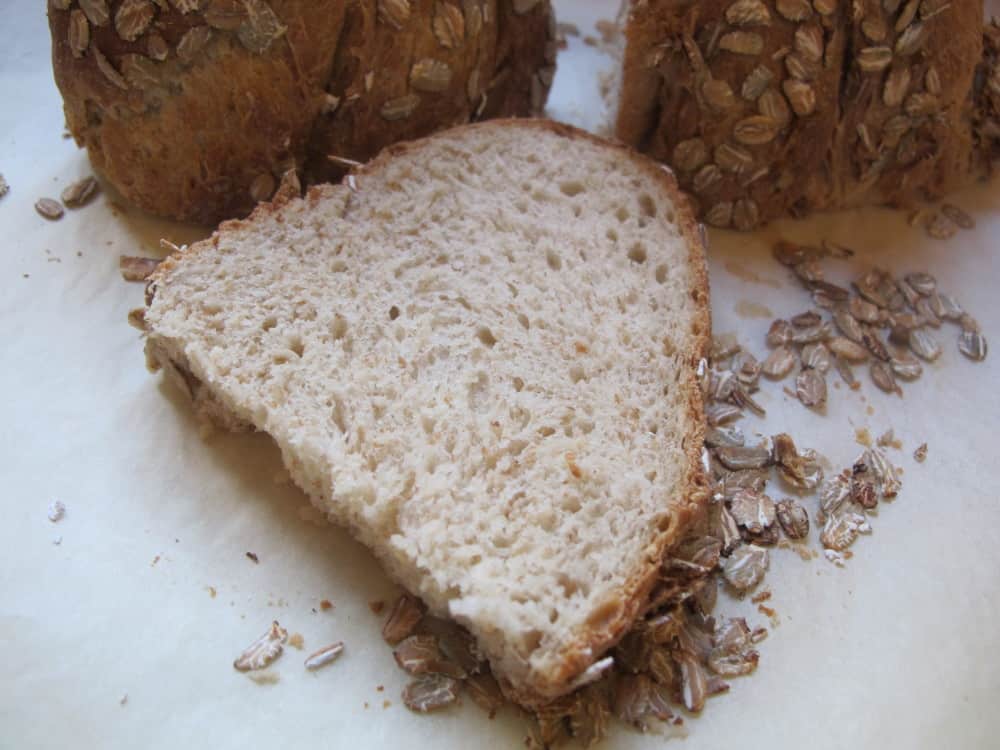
x: 518, y: 434
x: 194, y: 110
x: 770, y: 108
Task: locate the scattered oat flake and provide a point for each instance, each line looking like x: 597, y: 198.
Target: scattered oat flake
x: 49, y: 209
x: 324, y: 656
x: 810, y: 388
x: 745, y: 567
x: 133, y: 268
x: 920, y: 454
x: 79, y: 193
x: 973, y: 345
x: 840, y: 531
x: 264, y: 650
x: 56, y: 511
x: 407, y: 612
x: 430, y: 693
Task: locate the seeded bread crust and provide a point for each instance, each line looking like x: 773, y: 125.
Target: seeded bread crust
x: 611, y: 621
x: 196, y: 117
x: 861, y: 117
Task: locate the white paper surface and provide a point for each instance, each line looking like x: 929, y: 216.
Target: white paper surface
x: 897, y: 650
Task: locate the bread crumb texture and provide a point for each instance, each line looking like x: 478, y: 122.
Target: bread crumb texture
x: 481, y: 361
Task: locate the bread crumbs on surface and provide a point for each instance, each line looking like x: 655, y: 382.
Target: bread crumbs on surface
x: 863, y: 437
x: 763, y: 596
x: 155, y: 560
x: 211, y: 591
x: 57, y: 510
x: 325, y: 605
x: 376, y: 606
x: 253, y: 556
x: 386, y: 704
x: 295, y: 640
x: 265, y: 678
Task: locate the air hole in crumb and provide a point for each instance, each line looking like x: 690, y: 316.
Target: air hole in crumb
x: 571, y: 504
x: 696, y: 328
x: 486, y: 337
x: 622, y: 214
x: 671, y: 217
x: 612, y: 235
x: 279, y: 359
x: 661, y: 273
x: 651, y: 476
x: 647, y: 206
x: 576, y: 373
x: 297, y: 346
x: 638, y: 253
x: 269, y: 322
x: 339, y: 327
x: 523, y: 320
x: 521, y: 206
x: 577, y: 211
x: 338, y: 266
x: 571, y: 586
x: 428, y: 424
x: 553, y: 259
x: 553, y: 616
x: 518, y: 384
x: 571, y: 188
x: 441, y: 259
x: 546, y: 431
x: 393, y: 312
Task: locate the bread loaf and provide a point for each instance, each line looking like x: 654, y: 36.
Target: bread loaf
x: 768, y: 108
x: 193, y: 109
x: 484, y: 366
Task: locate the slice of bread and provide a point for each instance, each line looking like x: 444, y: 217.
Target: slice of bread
x: 480, y: 355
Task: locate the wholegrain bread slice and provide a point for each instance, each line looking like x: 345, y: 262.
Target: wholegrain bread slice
x: 480, y: 355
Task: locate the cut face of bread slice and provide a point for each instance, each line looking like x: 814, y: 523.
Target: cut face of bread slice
x: 479, y: 354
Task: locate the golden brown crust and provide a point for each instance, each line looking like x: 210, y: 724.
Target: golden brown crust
x: 842, y: 140
x: 633, y: 599
x: 195, y: 117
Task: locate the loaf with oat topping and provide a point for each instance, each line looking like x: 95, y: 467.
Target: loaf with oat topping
x: 193, y: 109
x: 771, y: 108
